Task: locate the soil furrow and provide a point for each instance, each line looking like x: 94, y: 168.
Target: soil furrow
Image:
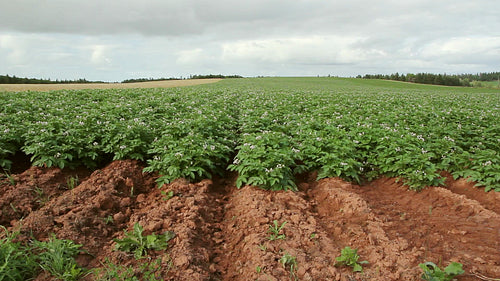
x: 489, y: 200
x: 348, y: 218
x: 250, y: 252
x: 445, y: 226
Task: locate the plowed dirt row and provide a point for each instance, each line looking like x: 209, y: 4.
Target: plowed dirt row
x: 222, y: 233
x: 445, y: 226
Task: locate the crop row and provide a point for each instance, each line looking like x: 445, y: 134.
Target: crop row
x: 361, y: 136
x: 266, y: 134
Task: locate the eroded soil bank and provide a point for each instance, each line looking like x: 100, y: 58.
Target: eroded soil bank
x: 222, y: 233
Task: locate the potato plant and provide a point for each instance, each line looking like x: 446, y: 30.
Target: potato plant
x: 266, y: 130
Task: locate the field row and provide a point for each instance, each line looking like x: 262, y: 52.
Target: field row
x: 265, y: 133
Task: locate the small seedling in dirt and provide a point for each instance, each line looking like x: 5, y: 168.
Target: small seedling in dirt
x: 275, y: 229
x: 350, y: 258
x: 433, y: 273
x: 289, y: 262
x: 10, y: 177
x: 111, y: 271
x: 132, y: 191
x: 138, y: 244
x: 167, y: 195
x: 258, y: 269
x: 313, y: 236
x: 38, y: 191
x: 108, y: 219
x: 151, y: 269
x: 262, y: 247
x: 41, y: 198
x: 72, y: 182
x: 13, y: 207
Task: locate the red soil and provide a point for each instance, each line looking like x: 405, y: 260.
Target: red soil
x: 222, y: 232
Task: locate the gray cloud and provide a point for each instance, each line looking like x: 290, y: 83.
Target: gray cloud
x: 172, y: 17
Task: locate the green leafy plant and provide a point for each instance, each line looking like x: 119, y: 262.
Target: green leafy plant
x: 108, y: 220
x: 350, y: 257
x: 432, y: 272
x: 275, y: 229
x: 358, y: 134
x: 148, y: 271
x: 17, y: 263
x: 167, y: 195
x: 57, y: 257
x: 290, y: 262
x: 151, y: 269
x: 265, y: 159
x: 111, y: 272
x: 138, y: 244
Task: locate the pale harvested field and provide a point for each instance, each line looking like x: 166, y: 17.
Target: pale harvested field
x: 152, y: 84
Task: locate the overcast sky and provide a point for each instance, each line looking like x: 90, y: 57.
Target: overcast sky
x: 115, y: 40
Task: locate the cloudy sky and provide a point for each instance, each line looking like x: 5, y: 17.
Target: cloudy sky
x: 112, y: 40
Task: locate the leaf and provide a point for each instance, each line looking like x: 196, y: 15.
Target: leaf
x: 357, y: 268
x: 169, y: 235
x: 454, y: 268
x: 138, y: 230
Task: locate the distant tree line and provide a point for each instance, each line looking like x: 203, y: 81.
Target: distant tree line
x: 209, y: 76
x: 136, y: 80
x: 6, y: 79
x: 486, y: 76
x: 437, y: 79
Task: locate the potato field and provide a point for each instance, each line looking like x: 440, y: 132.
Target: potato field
x: 251, y: 179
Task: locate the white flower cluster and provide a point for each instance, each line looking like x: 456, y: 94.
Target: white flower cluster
x: 449, y: 139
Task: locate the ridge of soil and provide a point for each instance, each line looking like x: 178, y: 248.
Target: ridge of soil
x: 223, y: 233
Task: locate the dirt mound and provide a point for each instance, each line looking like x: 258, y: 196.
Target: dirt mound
x: 82, y: 214
x: 24, y: 193
x: 224, y: 233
